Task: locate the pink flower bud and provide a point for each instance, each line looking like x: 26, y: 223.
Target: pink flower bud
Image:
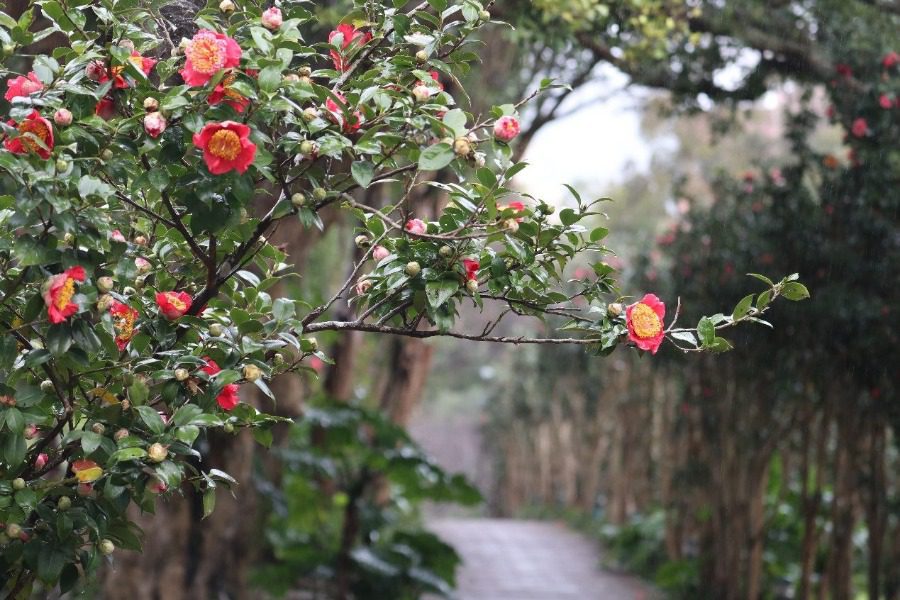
x: 95, y: 70
x: 415, y: 226
x: 158, y: 487
x: 859, y: 128
x: 884, y: 101
x: 379, y: 253
x: 31, y: 431
x: 62, y: 117
x: 142, y: 264
x: 506, y: 128
x: 271, y: 18
x: 421, y: 93
x: 117, y: 236
x: 41, y: 461
x: 154, y: 124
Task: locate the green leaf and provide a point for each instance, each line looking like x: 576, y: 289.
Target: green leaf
x: 15, y: 420
x: 138, y: 393
x: 762, y: 278
x: 456, y: 120
x: 742, y: 308
x: 795, y: 291
x: 438, y: 292
x: 151, y: 418
x: 706, y: 331
x: 209, y: 501
x: 90, y: 441
x: 186, y: 414
x: 685, y: 336
x: 720, y: 345
x: 362, y: 172
x: 598, y: 233
x: 763, y: 299
x: 125, y: 454
x: 569, y: 217
x: 263, y: 436
x: 269, y: 79
x: 436, y: 157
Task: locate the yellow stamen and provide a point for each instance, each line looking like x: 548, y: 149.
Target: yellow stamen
x: 225, y: 144
x: 645, y: 321
x: 206, y: 53
x: 65, y: 293
x: 175, y: 301
x: 36, y: 128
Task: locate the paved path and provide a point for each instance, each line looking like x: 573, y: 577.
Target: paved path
x: 507, y: 559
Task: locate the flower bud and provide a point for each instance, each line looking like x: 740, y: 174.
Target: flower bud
x: 298, y: 199
x: 181, y: 374
x: 278, y: 359
x: 157, y: 452
x: 615, y: 309
x: 228, y: 428
x: 413, y: 268
x: 151, y: 104
x: 421, y: 57
x: 85, y: 490
x: 13, y: 530
x: 18, y: 483
x: 310, y: 114
x: 320, y: 194
x: 154, y: 124
x: 105, y: 284
x: 379, y: 253
x: 61, y: 165
x: 40, y: 461
x: 106, y: 547
x: 291, y: 78
x: 104, y: 303
x: 462, y: 147
x: 62, y: 117
x: 446, y: 251
x: 313, y: 343
x: 107, y: 154
x: 139, y: 282
x: 309, y: 149
x: 64, y: 503
x: 142, y: 264
x: 472, y: 285
x: 251, y: 372
x: 129, y: 291
x: 362, y: 241
x: 121, y: 434
x: 216, y: 330
x: 98, y: 428
x: 125, y: 404
x: 547, y: 209
x: 95, y: 70
x: 506, y: 128
x: 68, y: 238
x: 31, y: 431
x: 421, y: 93
x: 305, y: 71
x: 8, y: 49
x: 127, y: 44
x: 271, y: 18
x: 226, y: 6
x: 484, y: 15
x: 47, y: 386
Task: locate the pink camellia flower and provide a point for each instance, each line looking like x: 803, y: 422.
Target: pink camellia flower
x: 173, y: 305
x: 37, y: 126
x: 226, y: 146
x: 885, y: 102
x: 228, y: 397
x: 40, y: 461
x: 379, y: 253
x: 143, y: 265
x: 208, y: 53
x: 58, y: 292
x: 859, y: 128
x: 20, y: 86
x: 471, y: 266
x: 62, y: 117
x: 336, y: 113
x: 31, y: 431
x: 117, y: 236
x: 644, y: 320
x: 271, y: 18
x: 416, y: 226
x: 506, y: 128
x: 351, y: 35
x: 154, y: 124
x: 890, y: 59
x: 106, y: 108
x: 157, y: 486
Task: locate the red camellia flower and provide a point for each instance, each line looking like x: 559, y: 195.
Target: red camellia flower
x: 226, y: 146
x: 58, y: 292
x: 351, y: 35
x: 859, y: 128
x: 645, y: 323
x: 885, y: 102
x: 173, y: 304
x: 23, y: 86
x: 844, y: 70
x: 142, y: 63
x: 515, y: 205
x: 436, y: 77
x: 223, y: 92
x: 337, y: 114
x: 123, y: 321
x: 228, y: 397
x: 471, y: 266
x: 506, y: 128
x: 37, y: 126
x: 208, y: 53
x: 890, y: 59
x: 106, y: 108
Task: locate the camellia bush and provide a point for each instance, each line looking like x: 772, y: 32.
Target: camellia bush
x: 140, y: 176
